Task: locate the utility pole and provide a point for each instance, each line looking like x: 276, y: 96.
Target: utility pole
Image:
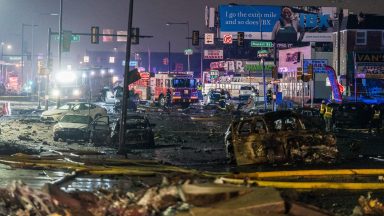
x: 49, y: 69
x: 60, y: 42
x: 123, y: 119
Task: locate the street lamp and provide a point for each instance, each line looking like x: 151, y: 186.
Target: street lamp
x: 187, y: 24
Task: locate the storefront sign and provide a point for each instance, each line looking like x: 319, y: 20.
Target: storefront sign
x: 370, y: 72
x: 318, y: 65
x: 370, y: 57
x: 213, y: 54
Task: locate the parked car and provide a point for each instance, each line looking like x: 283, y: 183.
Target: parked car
x: 352, y: 115
x: 277, y: 137
x: 213, y: 96
x: 101, y: 131
x: 138, y: 133
x: 80, y: 108
x: 246, y: 92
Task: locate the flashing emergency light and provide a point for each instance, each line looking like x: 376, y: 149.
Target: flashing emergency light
x: 65, y: 77
x: 56, y: 92
x: 76, y: 92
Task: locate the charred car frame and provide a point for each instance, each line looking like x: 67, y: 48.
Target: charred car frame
x: 277, y: 137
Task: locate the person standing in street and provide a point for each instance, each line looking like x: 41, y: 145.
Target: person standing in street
x: 328, y: 117
x: 322, y: 108
x: 376, y: 119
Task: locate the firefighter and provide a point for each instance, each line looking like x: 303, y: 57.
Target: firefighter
x: 328, y: 117
x: 376, y: 118
x: 322, y: 108
x: 269, y: 96
x: 200, y: 91
x: 222, y: 99
x: 168, y: 98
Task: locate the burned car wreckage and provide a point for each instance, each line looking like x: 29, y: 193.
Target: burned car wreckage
x: 277, y: 137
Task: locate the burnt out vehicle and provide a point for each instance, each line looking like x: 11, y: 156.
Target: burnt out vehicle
x: 352, y: 115
x: 277, y: 137
x: 311, y: 118
x: 138, y: 134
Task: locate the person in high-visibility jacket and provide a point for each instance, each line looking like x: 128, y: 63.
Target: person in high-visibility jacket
x: 322, y: 108
x: 328, y: 117
x: 376, y: 119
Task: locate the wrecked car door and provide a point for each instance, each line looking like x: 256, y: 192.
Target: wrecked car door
x: 100, y: 131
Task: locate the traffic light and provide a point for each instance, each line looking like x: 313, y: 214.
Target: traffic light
x: 39, y: 67
x: 299, y: 74
x: 310, y: 71
x: 195, y: 38
x: 240, y: 39
x: 67, y: 37
x: 135, y: 36
x: 94, y: 34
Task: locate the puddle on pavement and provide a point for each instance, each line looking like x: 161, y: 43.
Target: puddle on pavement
x: 34, y: 178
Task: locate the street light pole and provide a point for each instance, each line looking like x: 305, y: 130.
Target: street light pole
x: 60, y: 42
x: 263, y: 65
x: 187, y: 24
x: 48, y: 69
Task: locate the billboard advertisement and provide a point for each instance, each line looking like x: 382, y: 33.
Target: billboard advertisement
x: 291, y: 59
x: 369, y: 65
x: 278, y: 23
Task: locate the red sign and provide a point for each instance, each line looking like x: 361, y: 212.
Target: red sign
x: 227, y: 39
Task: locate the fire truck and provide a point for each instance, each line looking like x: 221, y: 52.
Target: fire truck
x: 182, y: 85
x: 142, y: 87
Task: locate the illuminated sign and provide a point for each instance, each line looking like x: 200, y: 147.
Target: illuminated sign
x: 213, y: 54
x: 107, y: 38
x: 370, y: 57
x: 291, y: 59
x: 318, y: 65
x: 271, y: 22
x: 335, y: 85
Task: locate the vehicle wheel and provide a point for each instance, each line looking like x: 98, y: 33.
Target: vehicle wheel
x: 161, y: 101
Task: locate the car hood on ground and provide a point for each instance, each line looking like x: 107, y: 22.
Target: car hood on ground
x: 70, y: 125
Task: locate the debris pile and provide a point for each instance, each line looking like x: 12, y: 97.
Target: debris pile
x: 171, y: 197
x: 369, y: 206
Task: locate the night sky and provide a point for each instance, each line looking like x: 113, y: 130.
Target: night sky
x: 150, y: 15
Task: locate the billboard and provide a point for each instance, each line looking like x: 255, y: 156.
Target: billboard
x: 291, y: 59
x: 277, y: 23
x: 369, y: 65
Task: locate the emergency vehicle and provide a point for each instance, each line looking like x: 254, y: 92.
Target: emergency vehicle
x: 182, y: 85
x: 142, y: 87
